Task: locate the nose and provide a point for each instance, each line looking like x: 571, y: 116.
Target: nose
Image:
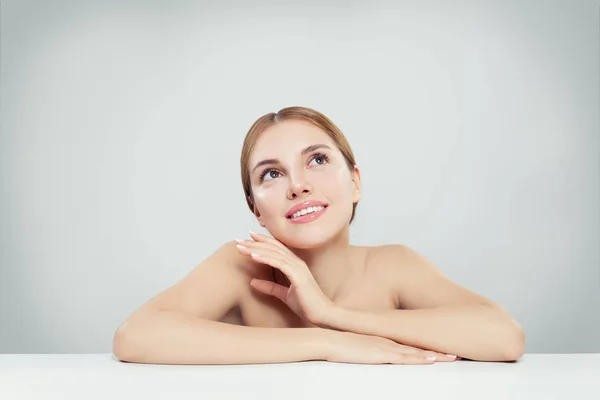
x: 298, y: 187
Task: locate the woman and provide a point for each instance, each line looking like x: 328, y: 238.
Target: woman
x: 305, y: 293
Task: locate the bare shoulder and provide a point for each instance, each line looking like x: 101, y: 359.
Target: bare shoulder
x: 212, y: 288
x: 241, y: 267
x: 226, y: 258
x: 417, y: 282
x: 399, y: 259
x: 245, y: 267
x: 388, y: 258
x: 403, y: 265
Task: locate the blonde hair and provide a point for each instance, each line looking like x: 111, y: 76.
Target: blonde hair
x: 301, y: 113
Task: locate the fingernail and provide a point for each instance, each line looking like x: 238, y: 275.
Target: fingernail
x: 239, y: 246
x: 239, y: 240
x: 431, y: 358
x: 255, y: 255
x: 451, y: 355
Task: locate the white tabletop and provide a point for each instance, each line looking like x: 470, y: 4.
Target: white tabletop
x: 102, y: 376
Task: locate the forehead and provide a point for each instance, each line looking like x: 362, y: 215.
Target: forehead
x: 288, y: 138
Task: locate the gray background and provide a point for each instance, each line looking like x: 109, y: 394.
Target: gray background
x: 475, y: 124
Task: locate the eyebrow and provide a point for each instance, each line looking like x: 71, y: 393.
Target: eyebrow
x: 309, y: 149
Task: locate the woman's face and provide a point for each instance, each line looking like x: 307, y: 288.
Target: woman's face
x: 294, y: 162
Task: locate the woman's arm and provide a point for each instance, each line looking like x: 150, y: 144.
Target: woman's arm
x: 182, y: 324
x: 435, y: 313
x: 169, y: 337
x: 474, y: 331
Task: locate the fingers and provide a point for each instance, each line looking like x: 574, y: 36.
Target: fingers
x: 268, y: 256
x: 426, y: 358
x: 269, y: 242
x: 409, y: 350
x: 440, y: 357
x: 275, y: 261
x: 410, y: 359
x: 270, y: 288
x: 248, y: 247
x: 262, y: 246
x: 267, y: 239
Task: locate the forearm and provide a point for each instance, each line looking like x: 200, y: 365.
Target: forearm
x: 476, y: 332
x: 165, y: 337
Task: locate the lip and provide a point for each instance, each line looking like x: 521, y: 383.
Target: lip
x: 303, y: 219
x: 300, y: 206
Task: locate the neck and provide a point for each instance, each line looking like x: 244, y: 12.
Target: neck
x: 330, y: 264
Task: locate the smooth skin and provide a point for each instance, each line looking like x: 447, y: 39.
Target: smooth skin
x: 183, y: 325
x: 231, y: 309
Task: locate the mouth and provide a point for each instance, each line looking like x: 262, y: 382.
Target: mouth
x: 307, y: 214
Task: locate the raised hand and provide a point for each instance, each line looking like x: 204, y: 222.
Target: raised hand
x: 304, y: 296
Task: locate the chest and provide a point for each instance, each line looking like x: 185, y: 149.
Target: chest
x: 266, y: 311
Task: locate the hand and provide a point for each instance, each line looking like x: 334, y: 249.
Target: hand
x: 304, y: 296
x: 356, y: 348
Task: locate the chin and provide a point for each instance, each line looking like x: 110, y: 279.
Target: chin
x: 305, y: 241
x: 305, y: 244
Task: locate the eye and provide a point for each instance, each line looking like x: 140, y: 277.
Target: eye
x: 269, y: 173
x: 321, y: 158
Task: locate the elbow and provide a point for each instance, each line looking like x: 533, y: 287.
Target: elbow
x: 130, y: 341
x: 121, y: 348
x: 516, y: 348
x: 513, y: 341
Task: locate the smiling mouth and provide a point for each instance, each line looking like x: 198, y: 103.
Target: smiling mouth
x: 306, y: 211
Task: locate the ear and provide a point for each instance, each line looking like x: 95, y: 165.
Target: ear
x: 256, y: 212
x: 357, y: 185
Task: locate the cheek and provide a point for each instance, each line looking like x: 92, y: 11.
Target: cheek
x: 266, y: 199
x: 339, y: 183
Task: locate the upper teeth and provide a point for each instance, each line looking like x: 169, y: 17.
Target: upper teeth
x: 305, y: 211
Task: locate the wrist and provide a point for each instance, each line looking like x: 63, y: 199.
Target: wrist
x: 324, y: 340
x: 331, y: 319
